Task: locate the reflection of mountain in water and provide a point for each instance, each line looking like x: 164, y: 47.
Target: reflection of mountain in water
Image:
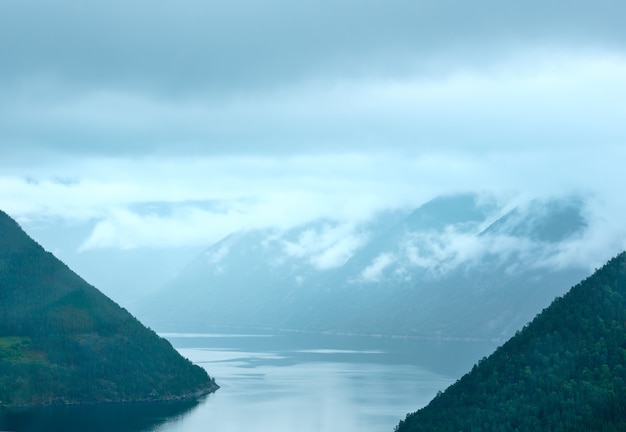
x: 137, y: 417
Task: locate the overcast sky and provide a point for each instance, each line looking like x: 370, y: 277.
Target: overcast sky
x: 173, y: 123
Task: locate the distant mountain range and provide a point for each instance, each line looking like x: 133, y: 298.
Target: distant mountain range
x: 458, y: 266
x: 64, y: 342
x: 565, y: 371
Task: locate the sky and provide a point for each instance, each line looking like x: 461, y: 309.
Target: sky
x: 162, y: 124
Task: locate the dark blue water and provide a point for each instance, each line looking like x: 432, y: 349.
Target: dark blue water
x: 284, y: 382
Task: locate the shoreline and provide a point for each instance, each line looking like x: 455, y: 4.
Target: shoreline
x: 171, y: 399
x: 499, y: 339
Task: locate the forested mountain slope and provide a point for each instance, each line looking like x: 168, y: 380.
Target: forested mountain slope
x: 62, y: 341
x: 565, y: 371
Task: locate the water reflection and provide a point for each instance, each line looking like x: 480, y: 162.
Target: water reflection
x: 134, y: 417
x: 284, y: 382
x: 307, y: 382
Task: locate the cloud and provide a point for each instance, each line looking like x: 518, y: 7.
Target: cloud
x: 374, y: 271
x: 327, y: 247
x: 530, y: 101
x: 237, y: 46
x: 441, y: 252
x: 278, y: 114
x: 604, y: 238
x: 215, y: 257
x: 339, y: 253
x: 204, y: 199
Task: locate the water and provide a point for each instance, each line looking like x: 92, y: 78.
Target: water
x: 284, y: 382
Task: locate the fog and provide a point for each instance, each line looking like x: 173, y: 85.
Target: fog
x: 158, y: 130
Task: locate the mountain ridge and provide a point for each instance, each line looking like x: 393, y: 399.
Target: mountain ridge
x: 564, y: 371
x: 413, y: 274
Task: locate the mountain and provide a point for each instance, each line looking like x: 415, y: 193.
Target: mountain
x: 565, y: 371
x: 64, y: 342
x: 125, y: 275
x: 458, y: 266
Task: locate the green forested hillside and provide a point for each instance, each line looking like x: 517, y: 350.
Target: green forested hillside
x: 63, y: 341
x: 565, y: 371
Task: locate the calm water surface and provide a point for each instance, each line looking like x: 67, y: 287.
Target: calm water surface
x: 285, y: 382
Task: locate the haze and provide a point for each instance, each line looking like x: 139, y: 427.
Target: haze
x: 158, y: 126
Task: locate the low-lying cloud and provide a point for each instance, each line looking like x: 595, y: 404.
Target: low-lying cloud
x: 374, y: 271
x: 279, y: 114
x: 328, y: 246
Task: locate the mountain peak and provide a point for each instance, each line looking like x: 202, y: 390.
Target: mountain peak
x: 549, y: 221
x: 449, y: 210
